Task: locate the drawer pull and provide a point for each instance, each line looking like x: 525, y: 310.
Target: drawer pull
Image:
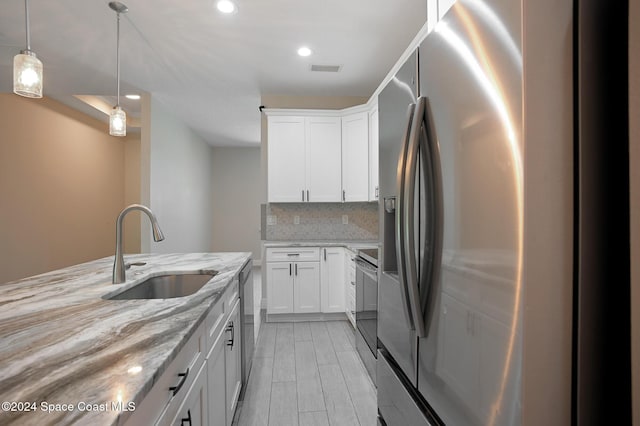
x: 293, y: 254
x: 183, y: 378
x: 187, y: 420
x: 233, y: 334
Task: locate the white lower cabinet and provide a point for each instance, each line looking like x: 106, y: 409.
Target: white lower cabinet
x: 350, y: 286
x: 202, y: 384
x: 217, y: 383
x: 224, y: 378
x: 193, y: 411
x: 279, y: 288
x: 306, y: 287
x: 332, y: 274
x: 293, y: 281
x: 233, y: 362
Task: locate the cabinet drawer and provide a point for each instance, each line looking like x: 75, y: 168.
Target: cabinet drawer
x: 293, y: 254
x: 160, y: 403
x: 216, y: 318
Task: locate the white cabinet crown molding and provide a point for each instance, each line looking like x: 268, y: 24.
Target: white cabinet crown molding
x: 271, y: 112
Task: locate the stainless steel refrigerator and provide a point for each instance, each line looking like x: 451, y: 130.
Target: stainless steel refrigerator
x: 481, y: 283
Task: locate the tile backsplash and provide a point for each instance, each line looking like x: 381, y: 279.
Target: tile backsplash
x: 320, y: 221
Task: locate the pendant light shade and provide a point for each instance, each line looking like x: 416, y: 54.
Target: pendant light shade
x: 27, y: 68
x: 117, y: 122
x: 118, y: 118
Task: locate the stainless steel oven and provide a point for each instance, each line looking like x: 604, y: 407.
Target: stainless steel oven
x: 367, y: 308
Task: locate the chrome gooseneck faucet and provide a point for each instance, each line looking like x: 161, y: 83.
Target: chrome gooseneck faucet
x: 118, y: 264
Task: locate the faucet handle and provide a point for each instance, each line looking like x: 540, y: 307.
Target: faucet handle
x: 129, y: 265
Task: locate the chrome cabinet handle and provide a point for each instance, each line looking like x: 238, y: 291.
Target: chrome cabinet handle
x: 296, y: 269
x: 308, y: 199
x: 377, y: 192
x: 344, y: 195
x: 325, y: 255
x: 303, y: 195
x: 183, y: 378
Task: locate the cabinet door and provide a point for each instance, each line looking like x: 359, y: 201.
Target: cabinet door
x: 233, y: 361
x: 355, y: 157
x: 286, y: 159
x: 279, y: 287
x: 193, y: 410
x: 373, y: 155
x: 306, y: 287
x: 332, y: 280
x: 216, y: 382
x: 323, y: 162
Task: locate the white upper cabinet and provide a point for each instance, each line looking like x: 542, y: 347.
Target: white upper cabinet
x: 355, y: 157
x: 323, y: 145
x: 322, y: 155
x: 304, y: 159
x: 286, y: 156
x: 373, y: 154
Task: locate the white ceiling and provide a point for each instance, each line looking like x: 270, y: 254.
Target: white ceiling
x: 210, y: 69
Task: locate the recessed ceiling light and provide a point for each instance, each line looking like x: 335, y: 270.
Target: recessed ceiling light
x: 226, y: 6
x: 132, y: 97
x: 304, y: 51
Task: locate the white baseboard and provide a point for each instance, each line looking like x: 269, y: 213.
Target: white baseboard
x: 333, y: 316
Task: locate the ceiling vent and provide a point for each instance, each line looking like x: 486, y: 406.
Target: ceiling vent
x: 325, y: 68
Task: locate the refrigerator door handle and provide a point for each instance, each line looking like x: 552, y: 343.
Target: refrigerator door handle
x: 408, y: 214
x: 400, y: 253
x: 433, y: 194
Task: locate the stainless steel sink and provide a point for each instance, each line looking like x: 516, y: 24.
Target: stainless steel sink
x: 166, y: 286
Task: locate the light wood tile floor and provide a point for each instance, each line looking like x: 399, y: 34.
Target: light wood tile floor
x: 307, y: 373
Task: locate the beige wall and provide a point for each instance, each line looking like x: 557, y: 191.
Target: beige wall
x: 62, y: 185
x: 634, y: 173
x: 548, y: 195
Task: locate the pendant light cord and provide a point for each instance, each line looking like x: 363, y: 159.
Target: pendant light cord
x: 26, y: 15
x: 118, y: 58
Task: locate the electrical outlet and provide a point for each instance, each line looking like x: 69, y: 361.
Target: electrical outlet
x: 296, y: 220
x: 272, y: 220
x: 345, y: 219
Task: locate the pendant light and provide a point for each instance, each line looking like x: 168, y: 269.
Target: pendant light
x: 118, y: 118
x: 27, y: 69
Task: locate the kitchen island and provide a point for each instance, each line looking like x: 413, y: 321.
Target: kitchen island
x: 67, y: 355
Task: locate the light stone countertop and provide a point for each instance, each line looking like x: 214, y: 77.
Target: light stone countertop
x: 352, y: 245
x: 62, y: 343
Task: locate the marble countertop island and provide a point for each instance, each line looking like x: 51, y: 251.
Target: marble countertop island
x: 62, y: 343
